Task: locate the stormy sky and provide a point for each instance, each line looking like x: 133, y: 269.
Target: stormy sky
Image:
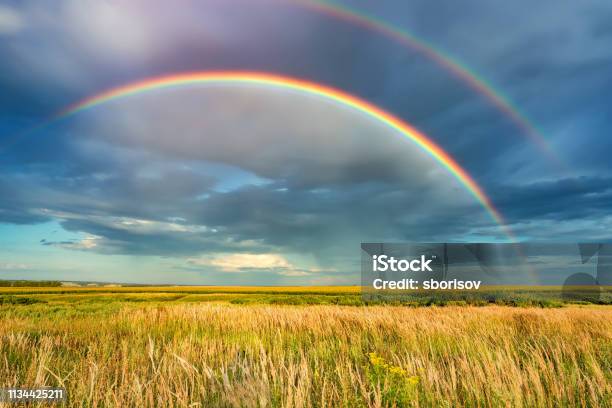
x: 244, y: 184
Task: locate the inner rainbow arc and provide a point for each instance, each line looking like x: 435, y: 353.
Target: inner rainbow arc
x: 312, y: 88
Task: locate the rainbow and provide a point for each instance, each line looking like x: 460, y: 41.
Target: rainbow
x: 305, y: 87
x: 456, y: 68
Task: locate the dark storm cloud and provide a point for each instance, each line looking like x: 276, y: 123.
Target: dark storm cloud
x: 547, y: 57
x: 258, y: 219
x: 561, y: 200
x: 130, y: 184
x: 17, y: 197
x: 115, y: 240
x: 333, y: 216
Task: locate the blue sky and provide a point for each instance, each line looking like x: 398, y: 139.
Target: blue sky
x: 247, y: 185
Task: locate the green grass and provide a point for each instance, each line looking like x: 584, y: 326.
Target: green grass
x: 88, y: 298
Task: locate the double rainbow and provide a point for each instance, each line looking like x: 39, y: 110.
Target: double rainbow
x: 305, y: 87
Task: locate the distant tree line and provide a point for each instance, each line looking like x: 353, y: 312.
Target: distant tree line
x: 27, y: 283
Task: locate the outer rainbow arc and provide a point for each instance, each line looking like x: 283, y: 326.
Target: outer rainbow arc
x: 258, y: 78
x: 478, y: 84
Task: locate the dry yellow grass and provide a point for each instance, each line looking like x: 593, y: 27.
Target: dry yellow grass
x: 257, y: 355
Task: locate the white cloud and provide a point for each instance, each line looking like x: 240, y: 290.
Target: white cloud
x: 120, y: 29
x: 244, y: 262
x: 10, y: 266
x: 89, y: 242
x: 132, y: 225
x: 294, y: 273
x: 258, y: 262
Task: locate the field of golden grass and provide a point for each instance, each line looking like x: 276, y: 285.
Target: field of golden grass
x: 132, y: 353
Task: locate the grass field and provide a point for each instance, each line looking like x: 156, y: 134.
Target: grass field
x: 181, y: 346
